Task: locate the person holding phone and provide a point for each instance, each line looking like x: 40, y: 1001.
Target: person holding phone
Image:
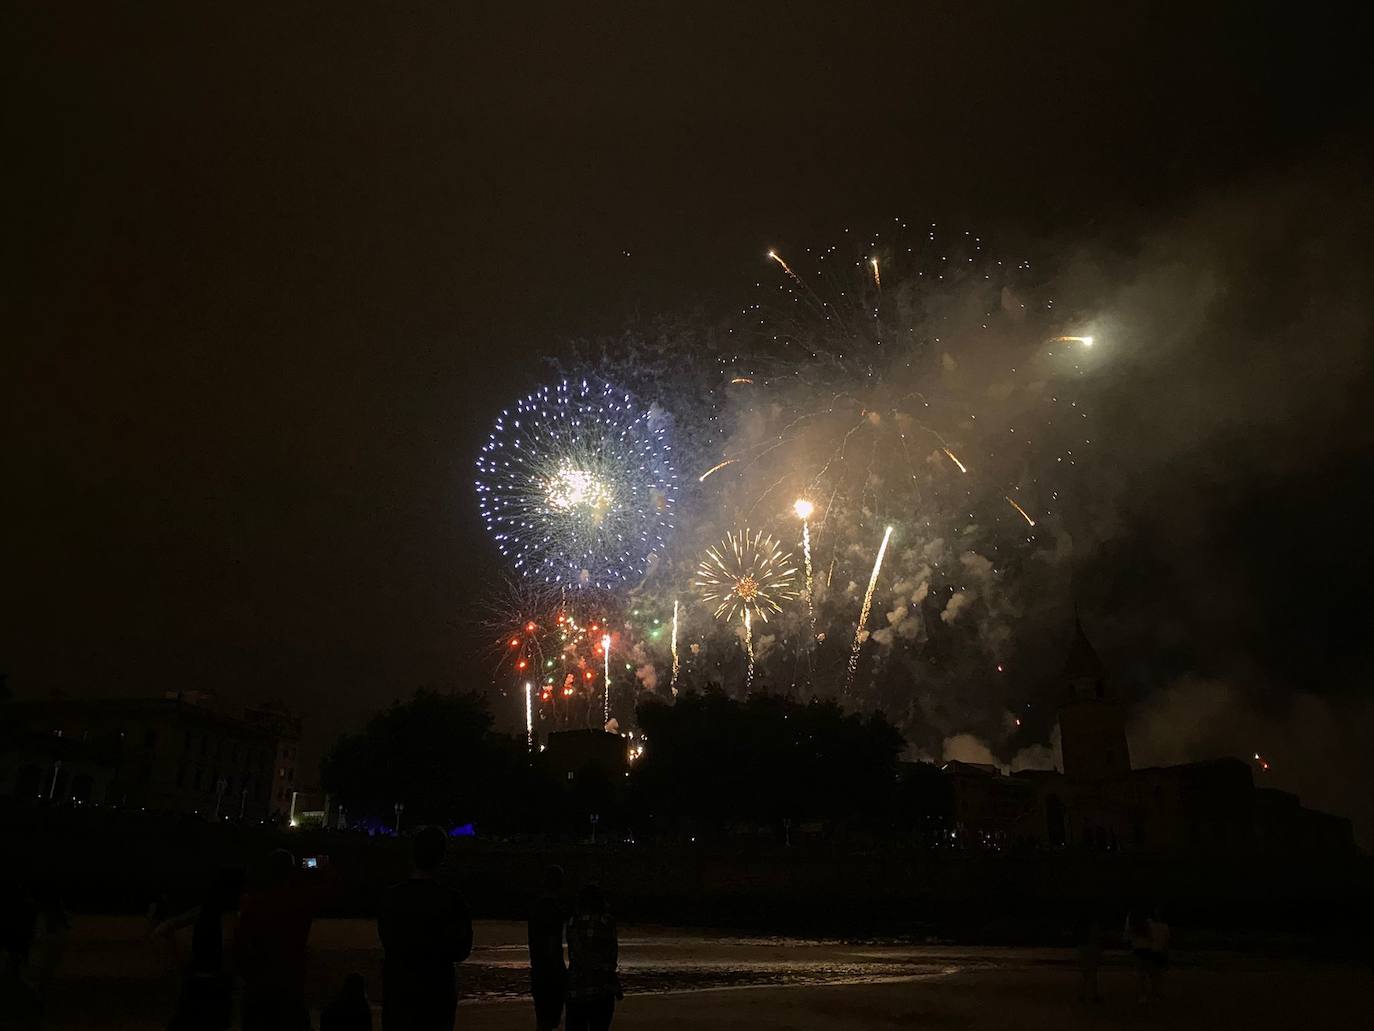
x: 270, y: 948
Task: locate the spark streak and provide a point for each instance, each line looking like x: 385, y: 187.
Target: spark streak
x: 804, y: 508
x: 953, y: 459
x: 606, y: 654
x: 749, y: 650
x: 529, y: 716
x: 1024, y: 515
x: 715, y: 469
x: 775, y: 256
x: 863, y: 612
x: 742, y: 379
x: 877, y: 278
x: 674, y: 646
x: 1085, y: 341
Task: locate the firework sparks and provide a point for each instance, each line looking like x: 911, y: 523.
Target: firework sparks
x: 674, y: 649
x: 1085, y: 341
x: 749, y: 651
x: 716, y: 468
x: 742, y: 380
x: 606, y: 654
x: 877, y: 276
x: 1024, y: 515
x: 804, y: 509
x: 953, y: 458
x: 746, y: 572
x: 529, y: 716
x: 577, y: 486
x: 863, y: 612
x: 1263, y: 762
x: 775, y: 256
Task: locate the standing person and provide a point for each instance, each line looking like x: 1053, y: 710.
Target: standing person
x: 270, y: 947
x: 1159, y: 952
x: 593, y: 954
x: 425, y: 929
x: 349, y: 1010
x: 1141, y: 945
x: 1089, y: 954
x: 51, y: 930
x: 207, y: 988
x: 548, y: 976
x: 20, y: 1006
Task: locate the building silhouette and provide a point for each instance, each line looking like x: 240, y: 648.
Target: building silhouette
x: 1099, y: 802
x: 181, y: 753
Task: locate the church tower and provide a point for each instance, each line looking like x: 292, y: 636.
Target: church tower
x: 1092, y: 726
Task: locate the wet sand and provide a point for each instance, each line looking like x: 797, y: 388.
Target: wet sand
x: 114, y: 977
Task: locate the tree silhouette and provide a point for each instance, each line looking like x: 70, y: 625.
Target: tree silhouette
x: 436, y: 754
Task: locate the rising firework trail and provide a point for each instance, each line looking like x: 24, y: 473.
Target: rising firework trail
x: 529, y: 716
x: 749, y: 651
x: 674, y: 649
x: 877, y: 277
x: 952, y: 458
x: 863, y: 612
x: 803, y: 509
x: 606, y: 652
x: 1027, y: 518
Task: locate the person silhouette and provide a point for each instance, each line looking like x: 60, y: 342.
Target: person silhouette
x: 593, y: 957
x: 270, y: 946
x: 548, y: 975
x: 425, y: 928
x: 206, y: 998
x: 349, y: 1010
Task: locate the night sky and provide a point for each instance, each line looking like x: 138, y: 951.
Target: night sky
x: 272, y: 274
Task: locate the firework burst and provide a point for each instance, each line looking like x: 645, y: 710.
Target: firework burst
x: 746, y: 574
x: 576, y: 484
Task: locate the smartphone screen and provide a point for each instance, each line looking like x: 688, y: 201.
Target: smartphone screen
x: 310, y: 862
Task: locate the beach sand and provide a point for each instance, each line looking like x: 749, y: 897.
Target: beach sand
x: 112, y: 976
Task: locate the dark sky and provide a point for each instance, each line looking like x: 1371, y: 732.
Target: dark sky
x: 271, y: 273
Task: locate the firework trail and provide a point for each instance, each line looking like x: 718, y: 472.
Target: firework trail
x: 606, y: 652
x: 749, y: 650
x: 529, y: 716
x: 953, y: 459
x: 804, y: 508
x: 1085, y: 341
x: 674, y: 648
x: 863, y: 612
x: 775, y: 256
x: 877, y: 277
x: 1027, y: 518
x: 716, y: 468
